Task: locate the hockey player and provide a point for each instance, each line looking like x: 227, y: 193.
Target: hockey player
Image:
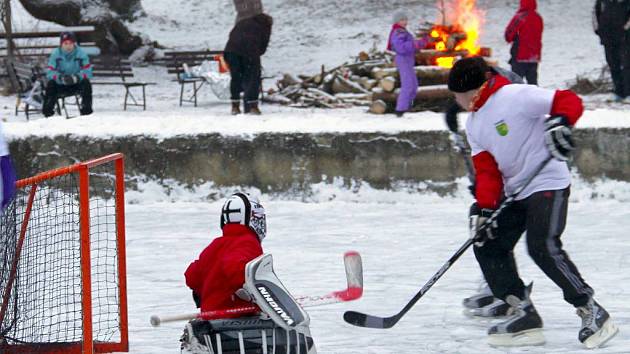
x: 217, y: 277
x: 231, y: 264
x: 405, y: 45
x: 482, y: 304
x: 7, y: 174
x: 512, y: 129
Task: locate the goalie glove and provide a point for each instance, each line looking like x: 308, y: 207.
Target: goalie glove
x: 558, y: 137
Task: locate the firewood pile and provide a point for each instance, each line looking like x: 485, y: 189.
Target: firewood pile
x: 372, y: 79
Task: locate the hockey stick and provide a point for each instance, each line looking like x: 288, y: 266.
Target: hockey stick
x: 354, y: 277
x: 364, y: 320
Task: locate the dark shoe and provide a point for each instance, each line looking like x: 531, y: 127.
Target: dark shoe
x: 252, y: 108
x: 236, y: 109
x: 87, y: 111
x: 597, y: 327
x: 522, y: 328
x: 399, y: 113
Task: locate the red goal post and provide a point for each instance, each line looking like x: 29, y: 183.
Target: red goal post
x: 62, y: 262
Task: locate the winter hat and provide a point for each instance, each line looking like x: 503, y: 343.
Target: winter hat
x: 67, y: 36
x: 468, y: 74
x: 247, y: 8
x: 399, y: 16
x: 243, y: 209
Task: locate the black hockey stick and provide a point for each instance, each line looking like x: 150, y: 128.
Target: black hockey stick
x: 369, y: 321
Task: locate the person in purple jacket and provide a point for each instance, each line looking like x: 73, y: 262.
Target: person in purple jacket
x: 7, y: 174
x: 405, y: 45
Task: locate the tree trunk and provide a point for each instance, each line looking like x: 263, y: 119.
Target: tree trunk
x: 427, y: 75
x: 433, y: 98
x: 111, y: 35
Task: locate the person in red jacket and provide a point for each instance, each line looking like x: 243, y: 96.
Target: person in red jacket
x: 512, y: 129
x: 217, y: 277
x: 525, y: 33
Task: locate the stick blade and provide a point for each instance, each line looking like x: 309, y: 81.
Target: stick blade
x: 363, y: 320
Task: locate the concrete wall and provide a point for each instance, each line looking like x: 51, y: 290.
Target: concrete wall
x: 291, y: 162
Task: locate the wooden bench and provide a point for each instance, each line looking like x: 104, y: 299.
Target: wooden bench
x: 22, y: 77
x: 114, y: 70
x: 33, y: 45
x: 175, y: 64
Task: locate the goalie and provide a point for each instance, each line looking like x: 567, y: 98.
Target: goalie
x: 232, y: 273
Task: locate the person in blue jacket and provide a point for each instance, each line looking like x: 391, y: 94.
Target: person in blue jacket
x: 69, y: 72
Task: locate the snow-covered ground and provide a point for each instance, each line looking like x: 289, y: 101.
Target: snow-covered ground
x: 404, y: 239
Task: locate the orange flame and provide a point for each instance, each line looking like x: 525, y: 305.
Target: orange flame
x: 465, y: 18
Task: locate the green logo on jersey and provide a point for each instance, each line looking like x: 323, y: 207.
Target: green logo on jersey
x: 502, y: 128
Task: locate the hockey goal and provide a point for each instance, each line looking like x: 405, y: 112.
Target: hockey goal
x: 62, y: 262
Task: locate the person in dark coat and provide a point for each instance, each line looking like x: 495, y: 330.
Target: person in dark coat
x: 611, y: 21
x: 247, y: 43
x: 525, y: 33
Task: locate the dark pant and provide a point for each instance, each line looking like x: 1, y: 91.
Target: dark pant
x: 528, y: 71
x: 543, y: 215
x: 618, y: 59
x: 55, y: 90
x: 245, y: 74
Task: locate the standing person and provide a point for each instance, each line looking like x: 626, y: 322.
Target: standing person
x: 525, y: 33
x: 247, y: 43
x: 405, y: 45
x: 69, y: 72
x: 510, y: 137
x: 7, y: 174
x: 611, y: 22
x: 217, y: 277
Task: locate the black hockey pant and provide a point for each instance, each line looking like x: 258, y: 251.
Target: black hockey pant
x: 245, y: 72
x: 543, y: 215
x: 55, y: 90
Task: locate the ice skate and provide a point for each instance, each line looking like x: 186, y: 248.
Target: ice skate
x: 597, y: 326
x: 522, y: 328
x: 484, y: 305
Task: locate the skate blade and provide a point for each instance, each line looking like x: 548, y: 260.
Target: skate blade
x: 599, y: 338
x: 480, y: 318
x: 524, y: 338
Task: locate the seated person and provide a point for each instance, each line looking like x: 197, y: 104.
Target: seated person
x: 217, y: 277
x: 69, y: 72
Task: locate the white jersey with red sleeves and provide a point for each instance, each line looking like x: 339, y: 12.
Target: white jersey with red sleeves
x: 510, y: 126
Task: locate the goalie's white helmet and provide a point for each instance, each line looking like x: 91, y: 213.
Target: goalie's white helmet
x: 241, y: 208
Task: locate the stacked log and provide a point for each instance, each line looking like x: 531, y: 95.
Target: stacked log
x: 371, y: 81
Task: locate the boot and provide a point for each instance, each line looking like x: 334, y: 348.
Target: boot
x: 252, y: 108
x: 236, y: 109
x: 522, y: 328
x: 597, y: 327
x: 484, y: 304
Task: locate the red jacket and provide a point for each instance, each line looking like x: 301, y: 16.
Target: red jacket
x: 220, y: 269
x: 525, y: 32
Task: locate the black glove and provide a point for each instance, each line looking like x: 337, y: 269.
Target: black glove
x: 558, y: 137
x: 70, y: 79
x: 477, y: 217
x: 196, y: 299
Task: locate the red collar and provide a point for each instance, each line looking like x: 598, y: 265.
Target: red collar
x: 395, y: 27
x: 494, y: 84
